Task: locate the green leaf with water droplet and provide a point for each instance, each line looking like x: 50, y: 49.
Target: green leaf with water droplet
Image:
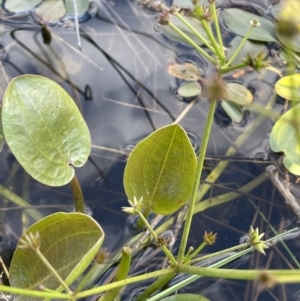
x: 237, y: 20
x: 288, y: 87
x: 69, y: 241
x: 285, y: 137
x: 161, y: 169
x: 44, y: 129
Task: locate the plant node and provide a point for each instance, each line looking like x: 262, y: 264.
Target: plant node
x: 31, y: 241
x: 164, y: 18
x: 209, y: 238
x: 161, y: 241
x: 101, y: 256
x: 266, y: 280
x: 255, y: 240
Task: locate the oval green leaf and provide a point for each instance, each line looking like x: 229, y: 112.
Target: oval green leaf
x: 44, y: 129
x: 69, y: 241
x: 237, y: 21
x: 233, y: 111
x: 288, y: 87
x: 21, y: 5
x: 238, y: 94
x: 250, y: 47
x: 185, y: 297
x: 51, y: 10
x: 189, y: 89
x: 285, y: 138
x: 82, y: 6
x: 161, y: 169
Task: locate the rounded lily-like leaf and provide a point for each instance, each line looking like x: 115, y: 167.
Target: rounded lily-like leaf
x: 237, y: 20
x: 82, y: 6
x: 69, y: 242
x: 233, y: 111
x: 161, y: 170
x: 238, y: 94
x: 185, y: 297
x: 289, y: 87
x: 189, y: 89
x: 44, y: 129
x: 285, y: 138
x: 21, y: 5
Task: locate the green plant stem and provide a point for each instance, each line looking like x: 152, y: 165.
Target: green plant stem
x: 225, y: 70
x: 140, y: 278
x: 53, y: 271
x: 204, y: 144
x: 195, y: 32
x: 156, y: 285
x: 34, y: 293
x: 193, y: 254
x: 240, y: 46
x: 164, y: 248
x: 191, y: 42
x: 8, y: 194
x: 281, y: 276
x: 212, y: 39
x: 218, y: 31
x: 122, y: 273
x: 77, y: 193
x: 216, y: 254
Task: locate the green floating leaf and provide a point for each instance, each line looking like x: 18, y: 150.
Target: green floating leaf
x: 69, y: 241
x: 189, y: 89
x: 284, y: 56
x: 250, y: 47
x: 289, y: 87
x: 184, y: 4
x: 21, y: 5
x: 233, y: 110
x: 238, y: 94
x: 82, y: 6
x: 185, y: 297
x: 237, y: 21
x: 44, y: 129
x: 161, y: 169
x: 170, y: 33
x: 187, y: 71
x: 285, y: 138
x: 51, y: 10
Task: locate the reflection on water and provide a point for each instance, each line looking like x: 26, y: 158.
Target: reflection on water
x: 120, y: 82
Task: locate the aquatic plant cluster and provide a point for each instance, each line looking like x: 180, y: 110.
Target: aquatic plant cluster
x: 60, y: 256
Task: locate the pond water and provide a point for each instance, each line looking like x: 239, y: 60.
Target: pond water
x: 120, y: 82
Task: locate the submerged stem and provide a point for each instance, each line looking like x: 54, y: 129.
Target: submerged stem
x: 77, y: 193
